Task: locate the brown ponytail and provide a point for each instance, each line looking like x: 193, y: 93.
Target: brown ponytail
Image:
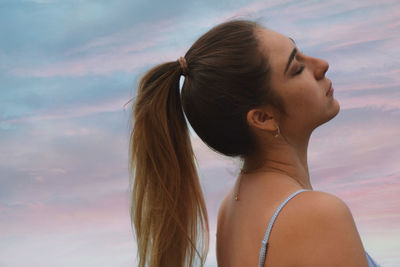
x: 167, y: 201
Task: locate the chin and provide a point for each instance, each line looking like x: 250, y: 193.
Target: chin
x: 336, y: 108
x: 333, y: 111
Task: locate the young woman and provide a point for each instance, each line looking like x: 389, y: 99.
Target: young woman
x: 249, y: 93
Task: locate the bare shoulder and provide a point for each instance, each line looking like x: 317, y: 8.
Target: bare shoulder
x: 314, y: 227
x: 322, y: 210
x: 317, y: 203
x: 325, y: 209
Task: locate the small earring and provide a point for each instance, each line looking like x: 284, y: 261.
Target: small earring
x: 278, y: 133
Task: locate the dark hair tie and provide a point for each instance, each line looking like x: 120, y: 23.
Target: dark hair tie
x: 184, y: 66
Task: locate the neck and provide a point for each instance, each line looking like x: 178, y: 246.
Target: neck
x: 289, y: 158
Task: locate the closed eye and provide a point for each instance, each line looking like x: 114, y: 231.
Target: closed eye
x: 299, y: 70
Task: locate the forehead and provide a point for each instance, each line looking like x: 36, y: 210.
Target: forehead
x: 277, y: 48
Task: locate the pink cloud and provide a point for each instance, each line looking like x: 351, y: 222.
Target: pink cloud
x: 122, y: 51
x: 374, y: 202
x: 359, y: 86
x: 104, y: 212
x: 72, y: 112
x: 350, y: 43
x: 100, y: 64
x: 384, y: 102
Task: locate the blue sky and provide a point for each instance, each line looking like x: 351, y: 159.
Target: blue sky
x: 68, y: 67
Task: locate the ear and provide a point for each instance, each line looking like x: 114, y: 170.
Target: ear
x: 262, y: 119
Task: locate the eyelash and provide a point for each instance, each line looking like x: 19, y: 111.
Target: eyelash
x: 300, y: 70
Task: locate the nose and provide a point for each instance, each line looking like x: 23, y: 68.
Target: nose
x: 320, y: 67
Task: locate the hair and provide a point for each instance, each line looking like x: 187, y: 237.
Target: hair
x: 227, y: 76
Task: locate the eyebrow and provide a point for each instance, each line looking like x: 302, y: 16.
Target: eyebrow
x: 291, y: 57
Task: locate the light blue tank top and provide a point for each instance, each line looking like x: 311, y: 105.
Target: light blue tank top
x: 264, y: 243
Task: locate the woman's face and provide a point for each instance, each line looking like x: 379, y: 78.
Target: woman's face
x: 300, y: 81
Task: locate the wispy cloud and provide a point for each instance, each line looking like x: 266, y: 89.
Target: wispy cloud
x: 383, y: 102
x: 71, y: 112
x: 125, y: 51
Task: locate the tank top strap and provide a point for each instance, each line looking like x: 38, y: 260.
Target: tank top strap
x: 264, y: 243
x: 371, y: 262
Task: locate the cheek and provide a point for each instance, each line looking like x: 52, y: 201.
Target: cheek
x: 306, y: 101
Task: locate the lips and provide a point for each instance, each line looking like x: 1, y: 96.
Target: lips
x: 330, y: 89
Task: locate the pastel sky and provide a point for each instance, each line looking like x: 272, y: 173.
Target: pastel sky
x: 67, y: 68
